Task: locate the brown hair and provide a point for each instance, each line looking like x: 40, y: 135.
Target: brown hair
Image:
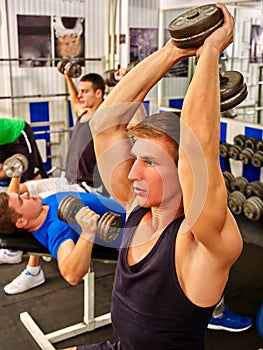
x: 164, y: 126
x: 8, y: 216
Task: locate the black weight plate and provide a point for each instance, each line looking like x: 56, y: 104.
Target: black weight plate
x: 108, y: 77
x: 73, y: 69
x: 192, y: 27
x: 232, y: 85
x: 240, y: 140
x: 234, y: 100
x: 257, y: 159
x: 61, y: 65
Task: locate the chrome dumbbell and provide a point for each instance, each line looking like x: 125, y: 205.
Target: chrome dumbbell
x: 16, y: 165
x: 109, y: 225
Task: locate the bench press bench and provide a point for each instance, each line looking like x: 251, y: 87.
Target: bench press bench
x: 27, y: 243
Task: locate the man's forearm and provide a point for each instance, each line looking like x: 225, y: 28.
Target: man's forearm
x: 14, y: 185
x: 138, y: 82
x: 73, y: 94
x: 126, y: 97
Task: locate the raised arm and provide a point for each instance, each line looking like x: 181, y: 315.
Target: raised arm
x: 199, y: 167
x: 2, y: 173
x: 73, y: 94
x: 14, y: 185
x: 109, y: 123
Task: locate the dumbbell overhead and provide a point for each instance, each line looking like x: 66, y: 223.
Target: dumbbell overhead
x: 15, y: 166
x: 109, y: 75
x: 109, y: 225
x: 190, y: 30
x: 72, y: 69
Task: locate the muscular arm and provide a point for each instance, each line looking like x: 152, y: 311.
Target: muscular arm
x: 110, y: 121
x: 199, y: 167
x: 14, y: 185
x: 73, y: 94
x: 2, y: 173
x: 74, y: 259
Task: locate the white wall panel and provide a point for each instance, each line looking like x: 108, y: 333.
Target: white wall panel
x: 145, y: 14
x: 25, y: 85
x: 46, y: 80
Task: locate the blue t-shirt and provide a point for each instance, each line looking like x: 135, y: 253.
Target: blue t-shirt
x: 54, y: 232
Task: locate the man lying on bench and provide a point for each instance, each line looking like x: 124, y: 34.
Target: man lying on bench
x: 70, y: 243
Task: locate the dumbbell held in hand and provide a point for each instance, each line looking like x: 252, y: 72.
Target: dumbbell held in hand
x: 71, y: 68
x: 109, y: 225
x: 15, y: 166
x: 109, y: 75
x: 190, y: 30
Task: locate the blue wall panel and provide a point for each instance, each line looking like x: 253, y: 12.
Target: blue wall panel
x: 224, y: 162
x: 249, y: 171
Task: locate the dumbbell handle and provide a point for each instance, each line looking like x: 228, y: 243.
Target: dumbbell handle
x: 109, y: 225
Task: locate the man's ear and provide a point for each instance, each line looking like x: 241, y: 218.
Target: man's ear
x: 98, y: 93
x: 21, y: 223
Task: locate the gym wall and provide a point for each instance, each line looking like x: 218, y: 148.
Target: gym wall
x: 39, y: 94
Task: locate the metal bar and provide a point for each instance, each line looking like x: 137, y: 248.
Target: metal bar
x: 44, y: 132
x: 31, y: 96
x: 35, y: 332
x: 49, y: 59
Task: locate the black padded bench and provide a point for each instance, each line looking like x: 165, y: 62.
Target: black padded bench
x: 27, y: 243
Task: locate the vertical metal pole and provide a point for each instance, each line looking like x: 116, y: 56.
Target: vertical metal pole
x: 107, y: 63
x: 10, y: 62
x: 160, y: 44
x: 89, y: 295
x: 113, y: 32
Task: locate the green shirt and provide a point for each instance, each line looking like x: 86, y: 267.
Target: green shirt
x: 10, y: 129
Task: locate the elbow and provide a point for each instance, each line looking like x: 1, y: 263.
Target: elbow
x: 72, y: 279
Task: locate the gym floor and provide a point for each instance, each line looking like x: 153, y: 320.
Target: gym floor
x: 56, y: 305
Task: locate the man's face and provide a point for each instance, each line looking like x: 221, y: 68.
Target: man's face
x: 154, y: 173
x: 87, y: 96
x: 28, y: 206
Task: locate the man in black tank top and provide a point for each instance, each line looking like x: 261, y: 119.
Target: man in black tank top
x: 166, y: 172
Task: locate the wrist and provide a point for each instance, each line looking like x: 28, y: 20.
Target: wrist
x: 177, y: 53
x: 88, y: 235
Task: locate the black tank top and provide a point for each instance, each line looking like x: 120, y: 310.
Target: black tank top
x: 81, y: 160
x: 149, y: 309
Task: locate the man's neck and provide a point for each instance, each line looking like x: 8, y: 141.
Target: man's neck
x: 38, y: 222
